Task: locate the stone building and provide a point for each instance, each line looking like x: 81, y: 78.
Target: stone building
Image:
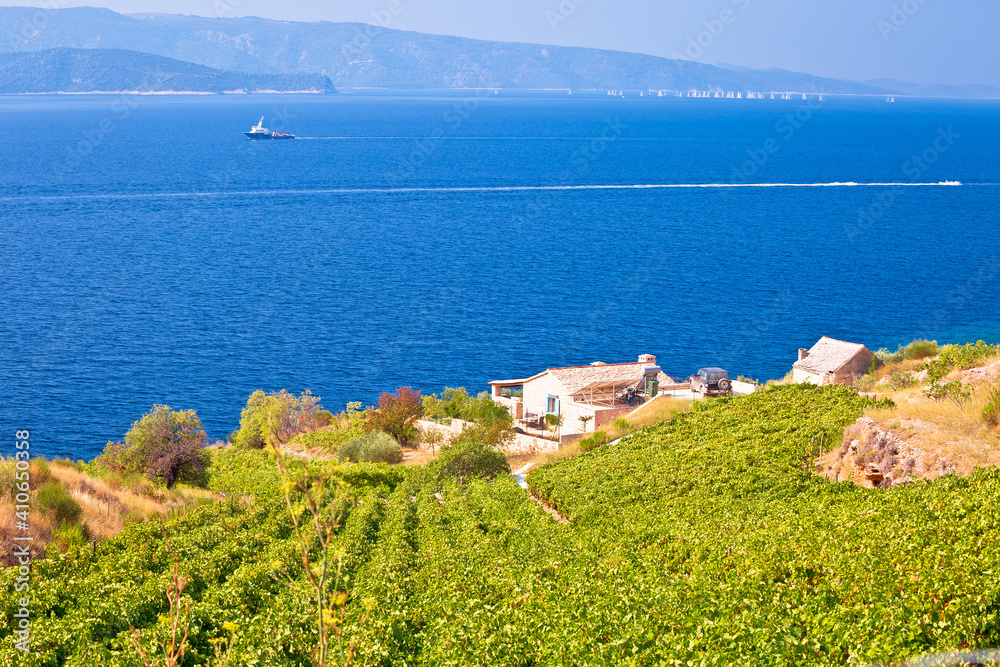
x: 832, y: 361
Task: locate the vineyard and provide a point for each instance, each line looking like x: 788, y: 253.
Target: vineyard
x: 707, y: 540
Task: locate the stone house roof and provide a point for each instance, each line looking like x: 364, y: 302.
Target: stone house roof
x: 577, y: 378
x: 829, y: 355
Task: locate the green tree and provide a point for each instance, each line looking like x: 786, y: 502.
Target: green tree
x: 495, y: 434
x: 165, y: 445
x: 276, y: 418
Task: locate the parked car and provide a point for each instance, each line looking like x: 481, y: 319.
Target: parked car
x: 711, y: 381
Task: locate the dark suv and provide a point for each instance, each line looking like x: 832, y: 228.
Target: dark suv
x: 711, y: 382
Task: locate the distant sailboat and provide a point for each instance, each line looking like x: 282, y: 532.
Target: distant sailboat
x: 890, y: 99
x: 772, y: 96
x: 804, y: 96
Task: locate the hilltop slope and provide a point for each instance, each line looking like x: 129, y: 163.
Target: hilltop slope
x: 87, y: 70
x: 362, y: 55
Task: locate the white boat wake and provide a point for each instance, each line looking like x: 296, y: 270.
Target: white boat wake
x: 498, y: 188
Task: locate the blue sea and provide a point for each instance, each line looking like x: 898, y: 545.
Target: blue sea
x: 150, y: 254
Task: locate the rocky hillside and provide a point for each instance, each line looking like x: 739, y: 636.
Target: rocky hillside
x: 946, y: 421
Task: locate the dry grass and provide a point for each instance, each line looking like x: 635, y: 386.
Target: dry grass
x: 419, y: 457
x: 660, y: 409
x: 951, y: 435
x: 106, y: 505
x: 906, y: 365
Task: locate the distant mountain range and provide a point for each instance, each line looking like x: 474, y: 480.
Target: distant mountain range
x: 111, y: 70
x: 356, y: 55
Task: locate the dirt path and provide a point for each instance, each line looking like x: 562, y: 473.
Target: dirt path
x: 551, y: 512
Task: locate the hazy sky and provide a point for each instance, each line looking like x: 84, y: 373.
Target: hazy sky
x: 926, y: 41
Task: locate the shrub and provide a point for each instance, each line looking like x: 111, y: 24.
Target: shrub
x: 69, y: 535
x: 7, y: 477
x: 956, y: 391
x: 920, y: 349
x: 954, y: 357
x: 991, y: 411
x: 40, y: 470
x: 330, y: 440
x: 70, y: 463
x: 397, y: 415
x: 900, y: 381
x: 323, y: 418
x: 622, y: 425
x: 54, y: 501
x: 598, y: 439
x: 483, y: 408
x: 375, y: 447
x: 467, y: 459
x: 276, y: 418
x: 165, y: 445
x: 864, y: 384
x: 456, y: 403
x: 887, y: 357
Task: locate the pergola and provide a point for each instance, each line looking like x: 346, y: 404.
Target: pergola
x: 606, y: 394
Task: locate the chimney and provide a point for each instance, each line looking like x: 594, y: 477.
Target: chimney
x: 803, y: 353
x: 648, y: 359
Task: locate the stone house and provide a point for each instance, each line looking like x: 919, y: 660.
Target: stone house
x: 600, y: 391
x: 832, y: 361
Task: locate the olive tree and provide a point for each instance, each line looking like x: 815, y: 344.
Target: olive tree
x: 165, y: 445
